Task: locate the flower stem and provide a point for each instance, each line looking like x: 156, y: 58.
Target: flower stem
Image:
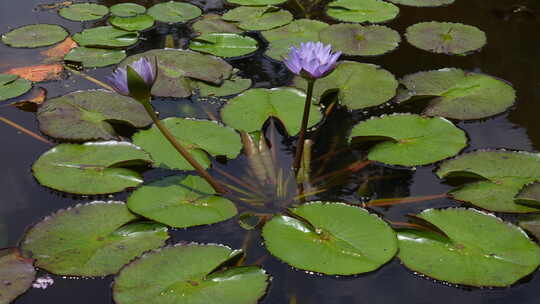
x: 187, y: 156
x: 305, y: 119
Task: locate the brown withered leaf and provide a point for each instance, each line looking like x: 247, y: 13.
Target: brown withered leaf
x: 37, y: 97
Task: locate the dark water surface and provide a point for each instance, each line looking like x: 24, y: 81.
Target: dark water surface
x: 512, y: 53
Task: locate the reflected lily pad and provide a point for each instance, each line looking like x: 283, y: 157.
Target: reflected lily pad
x: 373, y: 11
x: 458, y: 94
x: 256, y: 2
x: 16, y: 274
x: 12, y: 86
x: 501, y: 175
x: 354, y: 39
x: 87, y: 115
x: 259, y: 104
x: 282, y: 39
x: 359, y: 85
x: 127, y: 10
x: 224, y: 44
x: 532, y: 224
x: 181, y: 202
x: 189, y: 274
x: 258, y: 18
x: 198, y: 136
x: 174, y: 12
x: 213, y: 23
x: 410, y: 140
x: 529, y: 195
x: 36, y: 35
x: 106, y: 37
x: 91, y: 168
x: 480, y: 250
x: 94, y: 239
x: 231, y: 86
x: 337, y: 239
x: 446, y: 37
x: 84, y: 11
x: 423, y: 3
x: 135, y: 23
x: 95, y: 58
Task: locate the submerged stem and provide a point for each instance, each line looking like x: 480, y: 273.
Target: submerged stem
x: 305, y: 119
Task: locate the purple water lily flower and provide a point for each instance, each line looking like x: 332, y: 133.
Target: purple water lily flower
x: 143, y: 67
x: 312, y: 59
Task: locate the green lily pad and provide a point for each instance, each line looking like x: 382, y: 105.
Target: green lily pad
x: 501, y: 175
x: 199, y: 137
x: 354, y: 39
x: 458, y: 94
x: 258, y: 18
x: 339, y: 239
x: 36, y: 35
x: 94, y: 239
x: 282, y: 39
x: 189, y: 274
x: 259, y: 104
x: 95, y: 58
x: 231, y: 86
x: 213, y: 23
x: 106, y: 37
x: 531, y: 223
x: 446, y: 37
x: 423, y: 3
x: 127, y: 10
x: 84, y: 11
x: 90, y: 168
x: 16, y: 274
x: 224, y: 44
x: 373, y: 11
x: 256, y: 2
x: 411, y: 140
x: 529, y: 195
x: 87, y: 115
x: 12, y: 86
x: 175, y: 67
x: 479, y: 250
x: 135, y: 23
x: 359, y: 85
x: 181, y: 202
x: 174, y: 12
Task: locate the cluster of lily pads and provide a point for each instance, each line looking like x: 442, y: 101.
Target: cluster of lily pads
x: 129, y: 239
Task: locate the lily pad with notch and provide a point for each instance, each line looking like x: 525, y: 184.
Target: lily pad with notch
x: 410, y: 140
x: 330, y: 238
x: 358, y: 40
x: 106, y: 37
x: 372, y: 11
x: 214, y: 23
x: 127, y: 9
x: 17, y: 274
x: 91, y: 168
x: 94, y: 57
x: 84, y: 11
x: 258, y: 18
x: 446, y: 37
x: 479, y: 250
x: 231, y: 86
x: 224, y: 44
x: 135, y: 23
x: 174, y: 12
x: 35, y: 35
x: 423, y: 3
x: 12, y: 86
x: 458, y: 94
x: 193, y: 273
x: 94, y: 239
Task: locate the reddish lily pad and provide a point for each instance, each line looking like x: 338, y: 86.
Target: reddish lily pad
x: 16, y: 274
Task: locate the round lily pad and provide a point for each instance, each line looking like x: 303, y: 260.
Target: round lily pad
x: 91, y: 168
x: 224, y: 44
x: 189, y: 274
x: 423, y: 3
x: 479, y: 249
x: 16, y: 274
x: 355, y: 39
x: 529, y: 195
x: 259, y: 104
x: 231, y: 86
x: 127, y: 10
x: 95, y: 58
x: 87, y: 115
x: 282, y: 39
x: 174, y: 12
x: 256, y: 2
x: 458, y: 94
x: 373, y: 11
x: 135, y: 23
x: 213, y: 23
x: 258, y: 18
x: 359, y: 85
x: 181, y: 202
x: 501, y: 175
x: 94, y: 239
x: 199, y: 137
x: 411, y: 140
x: 531, y: 223
x: 106, y: 37
x: 84, y: 11
x: 36, y: 35
x: 446, y: 37
x: 12, y: 86
x: 332, y: 238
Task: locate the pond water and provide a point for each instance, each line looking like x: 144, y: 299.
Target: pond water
x: 512, y: 53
